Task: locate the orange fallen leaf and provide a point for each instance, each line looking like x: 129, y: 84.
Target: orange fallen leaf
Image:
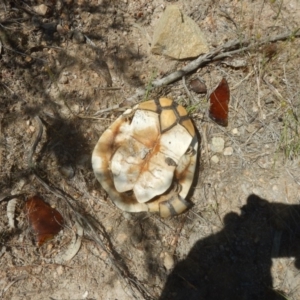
x: 219, y: 101
x: 44, y: 220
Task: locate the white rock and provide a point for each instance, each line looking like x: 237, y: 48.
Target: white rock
x: 59, y: 270
x: 10, y: 211
x: 228, y: 151
x: 168, y: 261
x: 217, y: 144
x: 40, y: 9
x: 178, y: 36
x: 215, y: 159
x: 235, y: 131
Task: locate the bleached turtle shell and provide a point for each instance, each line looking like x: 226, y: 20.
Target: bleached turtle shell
x: 146, y: 159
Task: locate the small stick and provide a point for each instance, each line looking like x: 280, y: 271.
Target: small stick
x: 205, y: 142
x: 125, y: 104
x: 273, y: 90
x: 192, y: 66
x: 220, y: 53
x: 192, y: 100
x: 258, y: 78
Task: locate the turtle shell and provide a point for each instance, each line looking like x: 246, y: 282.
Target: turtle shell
x: 146, y: 159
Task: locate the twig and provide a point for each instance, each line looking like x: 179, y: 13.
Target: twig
x: 192, y: 66
x: 244, y: 79
x: 108, y: 88
x: 106, y: 110
x: 258, y: 79
x: 20, y: 277
x: 273, y: 90
x: 204, y: 141
x: 23, y: 54
x: 35, y: 143
x: 125, y: 104
x: 251, y: 135
x: 292, y: 176
x: 7, y: 197
x: 187, y: 91
x: 220, y: 53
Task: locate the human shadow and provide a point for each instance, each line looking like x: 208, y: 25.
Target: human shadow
x: 235, y: 263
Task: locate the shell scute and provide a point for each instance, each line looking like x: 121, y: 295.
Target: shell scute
x: 148, y: 105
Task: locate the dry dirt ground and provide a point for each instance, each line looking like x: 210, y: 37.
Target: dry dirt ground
x: 240, y: 240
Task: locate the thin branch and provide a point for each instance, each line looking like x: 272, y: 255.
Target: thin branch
x: 192, y: 66
x: 229, y: 49
x: 188, y: 92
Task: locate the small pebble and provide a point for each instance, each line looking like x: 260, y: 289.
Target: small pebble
x: 197, y: 86
x: 49, y: 247
x: 228, y: 151
x: 67, y: 171
x: 215, y: 159
x: 41, y: 9
x: 59, y: 28
x: 217, y: 144
x: 168, y: 261
x: 235, y: 131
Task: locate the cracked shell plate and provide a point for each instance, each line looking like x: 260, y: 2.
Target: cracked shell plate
x: 146, y: 159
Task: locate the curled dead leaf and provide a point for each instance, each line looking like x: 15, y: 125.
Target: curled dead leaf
x: 44, y: 220
x: 73, y: 247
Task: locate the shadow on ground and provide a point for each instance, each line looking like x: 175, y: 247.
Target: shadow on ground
x: 236, y: 262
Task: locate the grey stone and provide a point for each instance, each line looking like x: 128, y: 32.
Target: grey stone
x: 217, y: 144
x: 215, y: 159
x: 178, y: 36
x: 228, y: 151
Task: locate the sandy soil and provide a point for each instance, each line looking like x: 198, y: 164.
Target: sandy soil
x: 241, y: 238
